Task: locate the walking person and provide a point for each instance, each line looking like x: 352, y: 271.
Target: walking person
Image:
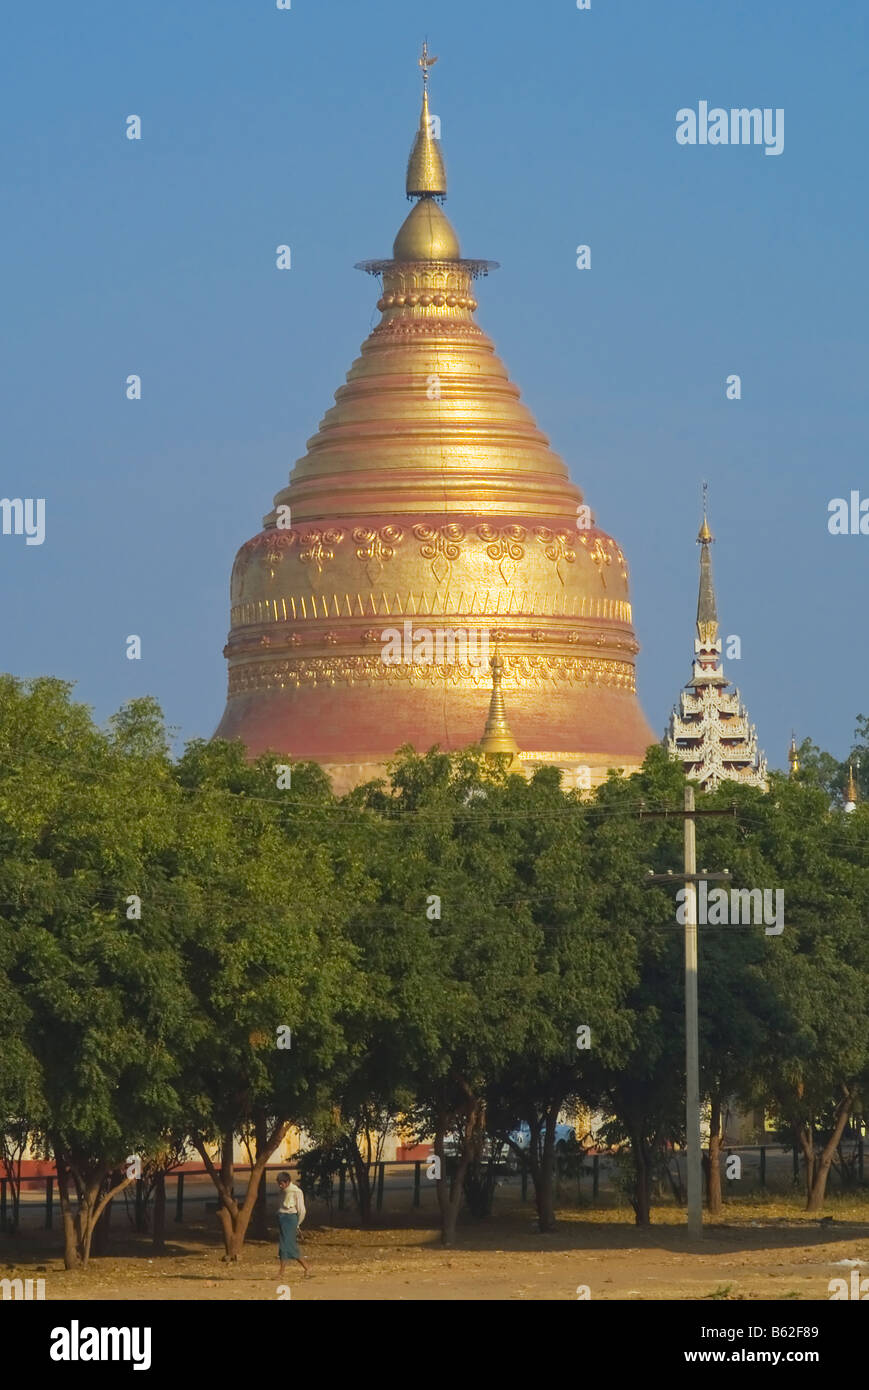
x: 291, y: 1214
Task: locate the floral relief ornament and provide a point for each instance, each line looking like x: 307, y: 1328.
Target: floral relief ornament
x: 556, y: 548
x: 599, y: 555
x: 503, y: 545
x: 375, y: 547
x: 317, y: 547
x: 440, y: 545
x: 274, y: 543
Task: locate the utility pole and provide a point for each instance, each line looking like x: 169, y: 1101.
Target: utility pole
x: 690, y: 878
x: 692, y: 1027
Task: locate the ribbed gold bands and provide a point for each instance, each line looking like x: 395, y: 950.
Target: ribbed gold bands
x: 523, y: 672
x: 439, y: 603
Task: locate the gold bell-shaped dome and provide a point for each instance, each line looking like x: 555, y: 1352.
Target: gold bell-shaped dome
x: 426, y: 235
x: 430, y: 508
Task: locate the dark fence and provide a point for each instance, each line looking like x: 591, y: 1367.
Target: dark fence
x: 583, y: 1173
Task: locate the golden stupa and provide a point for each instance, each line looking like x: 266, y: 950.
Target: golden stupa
x: 429, y: 499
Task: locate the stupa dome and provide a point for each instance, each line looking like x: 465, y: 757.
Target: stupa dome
x: 426, y: 235
x: 429, y: 498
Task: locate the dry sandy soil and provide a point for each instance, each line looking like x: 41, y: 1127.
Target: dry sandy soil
x: 760, y: 1251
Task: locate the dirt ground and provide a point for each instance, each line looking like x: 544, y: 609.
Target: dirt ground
x: 759, y: 1251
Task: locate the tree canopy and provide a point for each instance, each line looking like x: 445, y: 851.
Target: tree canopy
x: 202, y: 949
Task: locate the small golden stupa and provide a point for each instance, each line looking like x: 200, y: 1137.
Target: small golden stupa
x: 793, y: 756
x: 429, y: 499
x: 498, y: 742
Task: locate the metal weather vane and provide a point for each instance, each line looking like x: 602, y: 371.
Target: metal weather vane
x: 426, y: 62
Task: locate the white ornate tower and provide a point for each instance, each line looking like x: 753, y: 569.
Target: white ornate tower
x: 709, y: 732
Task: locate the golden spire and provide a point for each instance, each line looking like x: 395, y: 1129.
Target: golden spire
x: 707, y: 614
x: 498, y: 742
x: 851, y: 790
x: 793, y: 756
x: 426, y: 233
x: 705, y: 535
x: 426, y: 175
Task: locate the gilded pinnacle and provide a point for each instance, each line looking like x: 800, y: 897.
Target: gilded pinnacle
x: 707, y: 613
x: 705, y: 535
x: 426, y: 175
x: 498, y: 741
x: 793, y: 757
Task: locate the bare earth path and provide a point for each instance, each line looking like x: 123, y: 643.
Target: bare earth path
x: 754, y: 1254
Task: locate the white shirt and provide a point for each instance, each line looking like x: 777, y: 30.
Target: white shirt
x: 294, y: 1201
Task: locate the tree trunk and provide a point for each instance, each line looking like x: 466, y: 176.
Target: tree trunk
x: 100, y: 1244
x: 141, y: 1208
x: 227, y: 1207
x: 450, y: 1208
x: 543, y: 1166
x: 641, y: 1201
x: 806, y: 1140
x: 441, y: 1180
x: 817, y: 1191
x: 70, y: 1255
x: 78, y: 1225
x: 10, y: 1163
x: 713, y: 1171
x: 235, y: 1219
x: 158, y: 1240
x: 260, y: 1223
x: 450, y: 1195
x: 86, y: 1219
x: 362, y: 1177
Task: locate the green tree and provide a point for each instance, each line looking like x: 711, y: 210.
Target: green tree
x: 86, y: 826
x: 265, y: 889
x: 814, y: 1073
x: 644, y: 1090
x: 579, y: 1024
x: 452, y: 948
x: 818, y: 768
x: 737, y: 1006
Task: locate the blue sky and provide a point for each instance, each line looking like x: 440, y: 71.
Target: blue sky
x: 263, y: 126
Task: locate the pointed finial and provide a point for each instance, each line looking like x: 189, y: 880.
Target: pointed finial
x: 498, y: 742
x: 426, y: 175
x: 705, y: 536
x: 426, y: 62
x: 851, y: 790
x: 707, y: 613
x: 793, y: 756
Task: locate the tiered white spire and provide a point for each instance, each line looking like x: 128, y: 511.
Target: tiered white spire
x: 709, y: 732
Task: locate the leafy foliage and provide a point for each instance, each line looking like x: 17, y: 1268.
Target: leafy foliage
x: 433, y: 945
